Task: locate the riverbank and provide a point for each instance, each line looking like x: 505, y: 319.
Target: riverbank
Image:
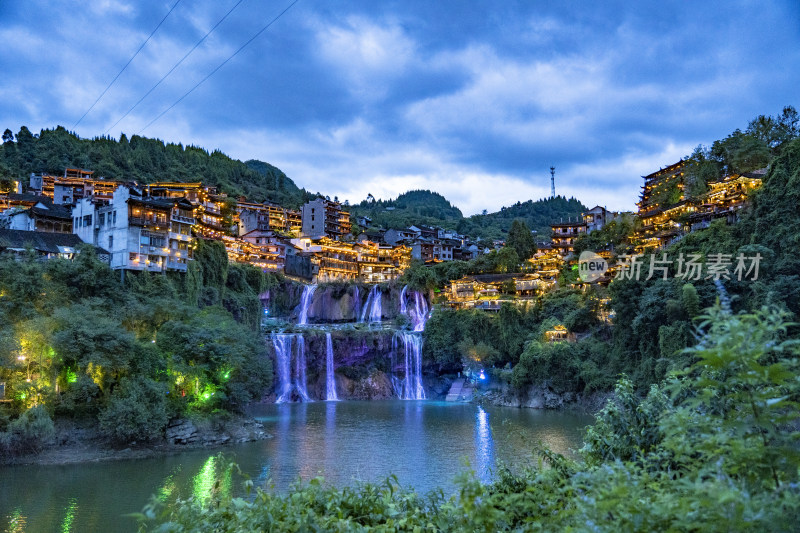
x: 542, y: 397
x: 81, y: 442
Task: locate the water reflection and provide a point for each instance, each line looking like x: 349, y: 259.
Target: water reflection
x: 69, y: 516
x: 424, y: 443
x: 484, y: 446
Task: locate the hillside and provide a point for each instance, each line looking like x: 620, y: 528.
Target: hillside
x: 142, y: 160
x: 426, y: 207
x: 412, y: 207
x: 538, y: 215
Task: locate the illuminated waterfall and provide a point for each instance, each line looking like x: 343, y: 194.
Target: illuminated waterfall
x: 372, y: 307
x: 283, y: 357
x: 419, y: 315
x: 411, y: 387
x: 300, y: 370
x: 403, y: 306
x: 283, y: 365
x: 305, y: 302
x: 330, y: 381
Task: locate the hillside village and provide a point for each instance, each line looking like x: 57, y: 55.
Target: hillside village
x: 153, y: 228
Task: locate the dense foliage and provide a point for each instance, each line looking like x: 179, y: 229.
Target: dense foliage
x: 712, y: 448
x: 142, y: 160
x: 77, y: 340
x: 430, y: 208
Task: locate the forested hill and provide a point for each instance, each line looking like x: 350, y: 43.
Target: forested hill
x: 142, y: 160
x: 412, y: 207
x: 426, y: 207
x: 538, y: 215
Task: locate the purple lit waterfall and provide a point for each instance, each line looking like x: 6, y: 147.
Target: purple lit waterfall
x: 283, y: 357
x: 412, y: 388
x: 305, y: 302
x: 300, y: 370
x: 330, y: 381
x: 373, y: 308
x: 283, y: 343
x: 419, y: 315
x: 403, y: 306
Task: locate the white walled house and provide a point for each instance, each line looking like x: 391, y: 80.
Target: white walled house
x: 140, y: 233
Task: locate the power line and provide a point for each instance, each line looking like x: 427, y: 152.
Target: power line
x: 176, y: 65
x: 187, y: 93
x: 128, y: 63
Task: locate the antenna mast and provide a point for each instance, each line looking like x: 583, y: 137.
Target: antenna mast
x: 553, y: 182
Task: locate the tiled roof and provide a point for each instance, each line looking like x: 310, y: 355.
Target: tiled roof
x: 41, y: 241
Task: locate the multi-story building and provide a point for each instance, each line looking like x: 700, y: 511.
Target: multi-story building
x: 564, y: 235
x: 74, y: 185
x: 379, y: 263
x: 253, y: 216
x: 667, y: 214
x: 207, y: 203
x: 324, y: 218
x: 43, y: 215
x: 140, y: 232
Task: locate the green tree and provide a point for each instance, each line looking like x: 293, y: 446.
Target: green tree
x: 521, y: 239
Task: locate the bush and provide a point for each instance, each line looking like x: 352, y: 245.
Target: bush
x: 137, y: 411
x: 29, y: 433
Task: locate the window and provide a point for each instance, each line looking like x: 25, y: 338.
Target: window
x: 101, y: 219
x: 87, y: 220
x: 110, y: 242
x: 115, y: 217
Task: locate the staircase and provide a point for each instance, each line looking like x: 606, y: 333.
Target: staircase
x: 460, y: 391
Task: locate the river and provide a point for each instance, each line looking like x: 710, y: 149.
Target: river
x: 425, y: 444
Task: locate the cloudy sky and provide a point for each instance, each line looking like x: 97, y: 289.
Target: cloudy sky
x: 473, y: 99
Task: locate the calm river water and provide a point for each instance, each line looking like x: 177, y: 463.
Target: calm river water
x: 425, y: 444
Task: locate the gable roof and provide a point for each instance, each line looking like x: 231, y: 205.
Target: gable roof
x: 44, y: 242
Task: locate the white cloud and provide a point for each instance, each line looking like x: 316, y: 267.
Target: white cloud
x: 369, y: 55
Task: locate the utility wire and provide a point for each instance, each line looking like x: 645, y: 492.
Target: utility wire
x: 176, y: 65
x: 126, y: 64
x: 187, y: 93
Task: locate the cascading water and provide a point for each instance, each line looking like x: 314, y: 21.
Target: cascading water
x: 300, y: 370
x: 373, y: 308
x: 403, y: 306
x: 305, y: 302
x: 412, y: 384
x: 366, y: 307
x: 376, y: 312
x: 420, y: 312
x: 330, y: 381
x: 283, y: 356
x: 283, y: 343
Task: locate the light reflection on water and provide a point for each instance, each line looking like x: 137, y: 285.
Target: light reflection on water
x: 426, y: 444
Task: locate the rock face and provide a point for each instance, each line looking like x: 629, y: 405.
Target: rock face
x: 331, y: 302
x: 535, y: 397
x: 376, y: 386
x: 184, y: 432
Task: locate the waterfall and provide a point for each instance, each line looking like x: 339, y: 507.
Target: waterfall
x: 283, y: 363
x: 403, y: 306
x: 330, y: 381
x: 283, y: 355
x: 300, y: 370
x: 305, y: 302
x: 365, y: 308
x: 420, y: 312
x: 373, y: 307
x: 376, y: 312
x: 412, y: 384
